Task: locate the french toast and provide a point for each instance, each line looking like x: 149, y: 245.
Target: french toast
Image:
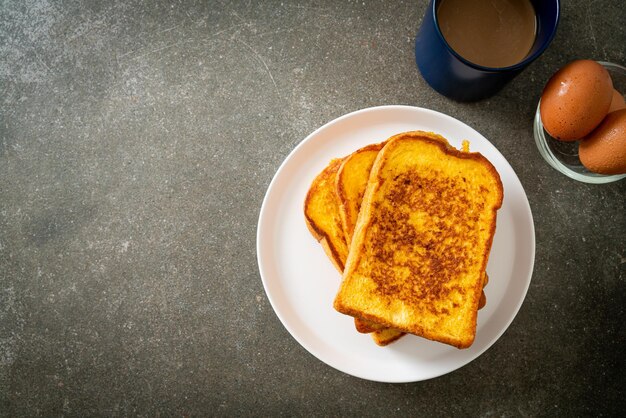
x: 422, y: 239
x: 352, y: 179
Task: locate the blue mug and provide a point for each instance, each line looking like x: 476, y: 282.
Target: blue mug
x: 457, y: 78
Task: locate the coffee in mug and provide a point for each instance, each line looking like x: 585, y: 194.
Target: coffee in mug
x: 489, y: 33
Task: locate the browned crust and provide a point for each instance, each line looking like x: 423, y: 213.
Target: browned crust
x: 380, y: 339
x: 327, y: 246
x: 482, y: 301
x: 364, y: 327
x: 315, y: 229
x: 367, y: 327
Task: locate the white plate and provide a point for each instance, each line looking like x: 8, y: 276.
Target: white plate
x: 301, y: 283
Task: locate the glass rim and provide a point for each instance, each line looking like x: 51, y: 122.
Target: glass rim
x: 553, y: 161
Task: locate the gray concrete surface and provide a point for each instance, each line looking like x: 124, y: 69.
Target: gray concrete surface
x: 137, y: 140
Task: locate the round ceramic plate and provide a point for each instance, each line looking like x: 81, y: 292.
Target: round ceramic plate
x: 301, y: 282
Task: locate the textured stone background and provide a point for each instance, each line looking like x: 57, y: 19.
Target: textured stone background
x: 137, y: 140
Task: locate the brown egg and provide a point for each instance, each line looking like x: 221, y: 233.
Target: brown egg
x: 617, y: 102
x: 604, y: 150
x: 576, y: 99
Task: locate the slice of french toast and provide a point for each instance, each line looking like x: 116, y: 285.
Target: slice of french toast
x: 352, y: 179
x: 422, y: 240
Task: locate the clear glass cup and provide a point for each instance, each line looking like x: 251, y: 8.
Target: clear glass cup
x: 563, y: 156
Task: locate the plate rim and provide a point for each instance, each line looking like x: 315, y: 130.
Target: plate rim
x: 262, y: 217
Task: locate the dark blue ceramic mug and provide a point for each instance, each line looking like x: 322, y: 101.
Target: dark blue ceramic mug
x: 457, y: 78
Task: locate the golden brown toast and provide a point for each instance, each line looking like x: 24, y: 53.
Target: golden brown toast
x: 422, y: 239
x: 352, y: 179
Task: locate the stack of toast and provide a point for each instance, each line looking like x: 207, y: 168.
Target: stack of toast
x: 409, y: 223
